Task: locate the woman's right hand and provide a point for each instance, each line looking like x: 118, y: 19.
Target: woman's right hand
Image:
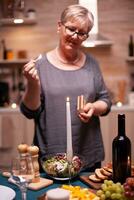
x: 30, y: 72
x: 31, y: 96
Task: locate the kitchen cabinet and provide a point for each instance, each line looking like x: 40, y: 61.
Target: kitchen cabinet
x: 14, y: 129
x: 109, y: 126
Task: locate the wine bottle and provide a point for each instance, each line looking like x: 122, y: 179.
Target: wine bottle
x: 131, y: 46
x: 121, y: 153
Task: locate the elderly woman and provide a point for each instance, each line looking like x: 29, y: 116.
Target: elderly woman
x: 67, y: 71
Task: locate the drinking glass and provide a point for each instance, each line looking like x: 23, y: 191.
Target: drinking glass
x: 22, y: 173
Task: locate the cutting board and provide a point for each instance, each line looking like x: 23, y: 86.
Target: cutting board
x: 44, y: 182
x: 92, y: 184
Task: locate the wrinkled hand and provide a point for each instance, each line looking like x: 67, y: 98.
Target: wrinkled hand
x: 87, y: 113
x: 30, y: 72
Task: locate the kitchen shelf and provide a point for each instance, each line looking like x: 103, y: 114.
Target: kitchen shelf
x: 130, y: 59
x: 10, y: 22
x: 13, y: 63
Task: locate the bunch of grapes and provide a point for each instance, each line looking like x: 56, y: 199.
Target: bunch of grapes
x: 129, y: 188
x: 110, y: 190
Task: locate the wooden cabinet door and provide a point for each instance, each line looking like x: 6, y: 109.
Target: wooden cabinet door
x: 14, y: 129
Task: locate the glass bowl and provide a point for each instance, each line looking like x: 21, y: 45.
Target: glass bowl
x: 57, y: 166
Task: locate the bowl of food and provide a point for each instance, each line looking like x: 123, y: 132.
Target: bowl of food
x: 58, y: 167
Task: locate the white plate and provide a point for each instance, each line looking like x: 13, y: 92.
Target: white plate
x: 6, y: 193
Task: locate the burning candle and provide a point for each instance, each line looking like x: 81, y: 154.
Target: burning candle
x: 69, y: 131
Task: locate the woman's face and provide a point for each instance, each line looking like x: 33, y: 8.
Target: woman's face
x: 72, y: 34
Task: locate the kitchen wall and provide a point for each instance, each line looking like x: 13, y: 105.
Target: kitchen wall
x: 116, y: 22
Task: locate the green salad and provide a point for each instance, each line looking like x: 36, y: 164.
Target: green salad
x: 58, y: 166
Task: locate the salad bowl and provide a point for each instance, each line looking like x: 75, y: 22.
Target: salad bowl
x: 58, y: 167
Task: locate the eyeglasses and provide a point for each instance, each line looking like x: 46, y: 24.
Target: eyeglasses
x: 72, y: 31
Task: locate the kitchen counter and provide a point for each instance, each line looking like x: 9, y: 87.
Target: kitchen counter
x: 125, y: 107
x: 9, y: 110
x: 13, y: 63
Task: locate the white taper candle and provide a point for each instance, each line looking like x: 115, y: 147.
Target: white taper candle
x: 69, y: 131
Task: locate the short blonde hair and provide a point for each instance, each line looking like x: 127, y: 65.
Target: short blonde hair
x: 79, y: 13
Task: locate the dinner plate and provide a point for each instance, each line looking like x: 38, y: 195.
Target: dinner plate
x: 6, y: 193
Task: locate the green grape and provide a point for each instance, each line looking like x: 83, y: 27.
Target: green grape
x: 113, y: 196
x: 104, y: 187
x: 107, y: 194
x: 102, y: 197
x: 118, y: 196
x: 110, y: 190
x: 99, y: 193
x: 114, y: 187
x: 110, y: 182
x: 118, y: 184
x: 106, y: 182
x: 118, y: 190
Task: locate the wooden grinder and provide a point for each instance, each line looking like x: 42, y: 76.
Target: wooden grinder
x: 22, y: 149
x: 37, y: 182
x: 33, y: 151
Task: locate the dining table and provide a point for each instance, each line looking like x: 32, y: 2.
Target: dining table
x: 37, y: 194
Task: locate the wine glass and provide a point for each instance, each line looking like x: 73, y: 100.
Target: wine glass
x: 22, y: 173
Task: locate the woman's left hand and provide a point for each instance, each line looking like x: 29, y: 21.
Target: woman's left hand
x: 87, y: 112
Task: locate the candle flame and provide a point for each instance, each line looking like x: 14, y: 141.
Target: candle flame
x: 67, y: 99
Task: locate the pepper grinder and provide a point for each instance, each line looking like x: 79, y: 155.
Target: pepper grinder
x: 22, y: 149
x: 33, y: 151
